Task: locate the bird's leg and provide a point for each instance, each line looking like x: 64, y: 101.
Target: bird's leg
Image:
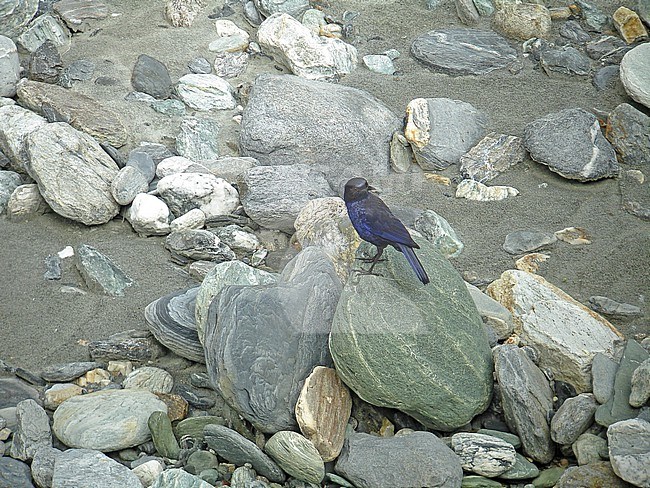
x: 374, y: 260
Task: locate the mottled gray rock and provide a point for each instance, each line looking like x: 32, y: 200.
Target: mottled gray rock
x: 618, y: 406
x: 296, y: 455
x: 379, y: 63
x: 595, y: 19
x: 307, y: 55
x: 439, y: 232
x: 149, y: 215
x: 415, y: 459
x: 527, y: 401
x: 9, y: 181
x: 26, y: 201
x: 274, y: 195
x: 222, y: 275
x: 573, y: 31
x: 596, y: 474
x: 523, y: 20
x: 155, y: 380
x: 635, y: 196
x: 523, y: 469
x: 107, y: 420
x: 199, y: 244
x: 467, y: 12
x: 42, y: 466
x: 282, y: 124
x: 463, y: 51
x: 150, y: 76
x: 565, y: 333
x: 483, y: 454
x: 17, y: 124
x: 603, y: 372
x: 15, y: 15
x: 200, y: 66
x: 80, y: 14
x: 494, y: 315
x: 566, y: 60
x: 62, y: 373
x: 635, y: 70
x: 194, y: 219
x: 205, y: 92
x: 238, y: 239
x: 570, y: 143
x: 441, y: 130
x: 45, y: 63
x: 86, y: 468
x: 607, y: 306
x: 186, y: 191
x: 9, y: 67
x: 640, y: 384
x: 258, y: 361
x: 606, y: 77
x: 33, y: 430
x: 127, y: 184
x: 573, y: 418
x: 13, y: 391
x: 130, y: 345
x: 14, y: 473
x: 628, y: 130
x: 493, y: 155
x: 235, y: 448
x: 230, y: 167
x: 73, y: 173
x: 524, y: 241
x: 43, y: 28
x: 230, y: 65
x: 413, y: 352
x: 198, y: 139
x: 179, y: 478
x: 100, y: 273
x: 607, y: 50
x: 589, y: 449
x: 629, y: 450
x: 178, y: 164
x: 295, y: 8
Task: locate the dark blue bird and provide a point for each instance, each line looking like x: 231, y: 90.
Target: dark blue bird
x: 376, y: 224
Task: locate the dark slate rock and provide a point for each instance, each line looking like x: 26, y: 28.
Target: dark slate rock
x: 596, y: 474
x: 195, y: 397
x: 524, y: 241
x: 265, y: 340
x: 200, y: 66
x: 618, y: 406
x: 527, y: 401
x: 132, y: 345
x: 416, y: 459
x: 628, y: 130
x: 13, y: 391
x: 142, y: 161
x: 150, y: 76
x: 635, y: 193
x: 158, y: 152
x: 171, y: 320
x: 52, y: 267
x: 603, y: 372
x: 566, y: 60
x: 574, y: 32
x: 424, y: 351
x: 236, y: 449
x: 14, y: 474
x: 463, y: 51
x: 606, y: 78
x: 570, y: 143
x: 43, y: 465
x: 282, y: 124
x: 45, y: 63
x: 100, y: 273
x: 607, y: 306
x: 79, y: 70
x: 595, y: 19
x: 63, y: 373
x: 607, y: 49
x: 573, y: 418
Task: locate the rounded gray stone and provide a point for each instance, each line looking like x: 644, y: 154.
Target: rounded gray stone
x: 635, y: 73
x: 629, y: 450
x: 296, y: 455
x: 573, y: 418
x: 151, y: 76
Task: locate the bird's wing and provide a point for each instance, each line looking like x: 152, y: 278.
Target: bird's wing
x: 384, y: 224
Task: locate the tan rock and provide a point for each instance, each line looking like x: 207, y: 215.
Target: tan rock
x: 531, y: 262
x: 59, y: 393
x: 629, y: 25
x: 177, y: 406
x: 97, y: 376
x: 323, y: 410
x: 523, y: 20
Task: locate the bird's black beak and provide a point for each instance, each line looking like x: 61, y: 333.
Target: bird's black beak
x: 372, y: 189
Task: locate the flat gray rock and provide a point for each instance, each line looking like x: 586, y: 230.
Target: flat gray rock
x: 566, y: 60
x: 100, y: 273
x: 273, y: 196
x: 178, y: 478
x: 13, y: 391
x: 628, y: 130
x: 424, y: 351
x: 527, y: 401
x: 415, y: 459
x: 79, y: 14
x: 524, y: 241
x: 266, y: 339
x: 199, y: 244
x: 573, y: 418
x: 86, y: 468
x: 62, y: 373
x: 640, y: 393
x: 629, y: 450
x: 282, y: 124
x: 603, y: 371
x: 463, y: 51
x: 42, y: 466
x: 236, y: 449
x: 32, y: 432
x: 150, y: 76
x: 571, y: 144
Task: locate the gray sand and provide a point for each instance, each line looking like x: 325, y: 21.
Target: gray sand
x: 40, y: 325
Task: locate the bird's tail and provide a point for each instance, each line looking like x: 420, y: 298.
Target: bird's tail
x: 415, y: 263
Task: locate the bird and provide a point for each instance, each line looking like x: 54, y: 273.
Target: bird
x: 376, y: 224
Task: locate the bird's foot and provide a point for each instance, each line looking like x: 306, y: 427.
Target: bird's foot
x: 364, y: 272
x: 370, y: 260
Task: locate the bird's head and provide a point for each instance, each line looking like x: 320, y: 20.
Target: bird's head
x: 355, y: 189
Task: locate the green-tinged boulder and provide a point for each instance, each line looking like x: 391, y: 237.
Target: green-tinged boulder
x: 421, y: 349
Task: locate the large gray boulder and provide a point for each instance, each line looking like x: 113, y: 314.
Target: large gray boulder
x: 418, y: 348
x: 267, y: 339
x: 283, y: 124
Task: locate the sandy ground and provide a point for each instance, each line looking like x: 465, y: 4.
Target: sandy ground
x: 40, y: 324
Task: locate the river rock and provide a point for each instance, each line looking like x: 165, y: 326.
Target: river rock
x: 9, y: 67
x: 235, y: 448
x: 198, y: 244
x: 415, y: 459
x: 523, y: 469
x: 475, y: 190
x: 178, y: 164
x: 589, y: 449
x: 150, y: 76
x: 155, y: 380
x: 323, y: 410
x: 17, y: 124
x: 524, y: 241
x: 186, y: 191
x: 640, y: 383
x: 296, y: 455
x: 246, y: 354
x: 635, y: 70
x: 58, y: 393
x: 86, y: 468
x: 15, y: 15
x: 143, y: 162
x: 441, y: 130
x: 493, y: 155
x: 100, y: 273
x: 43, y: 28
x: 238, y: 239
x: 629, y: 25
x: 411, y: 353
x: 565, y: 333
x: 629, y: 450
x: 483, y: 454
x: 527, y: 401
x: 230, y: 167
x: 570, y: 143
x: 127, y: 184
x: 284, y: 121
x: 149, y: 215
x: 45, y: 63
x: 603, y: 371
x: 463, y: 51
x: 566, y: 60
x: 162, y: 435
x: 42, y: 466
x: 198, y: 139
x: 273, y: 196
x: 439, y: 232
x: 627, y: 130
x: 295, y: 8
x: 13, y: 391
x: 80, y: 14
x: 14, y: 473
x: 523, y: 20
x: 495, y: 316
x: 596, y: 474
x: 26, y: 201
x: 107, y: 420
x: 67, y: 371
x: 171, y: 320
x: 32, y: 432
x: 206, y: 92
x: 9, y: 181
x: 307, y: 55
x: 573, y: 418
x: 179, y: 478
